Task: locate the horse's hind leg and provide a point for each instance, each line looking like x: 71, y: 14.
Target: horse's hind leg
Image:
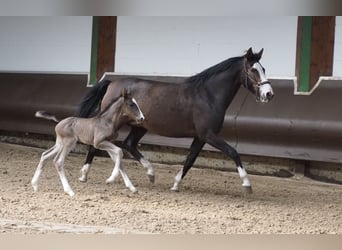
x: 195, y: 148
x: 68, y: 145
x: 51, y: 152
x: 87, y: 164
x: 131, y: 143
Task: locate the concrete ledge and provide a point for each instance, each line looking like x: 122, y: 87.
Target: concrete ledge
x: 176, y: 156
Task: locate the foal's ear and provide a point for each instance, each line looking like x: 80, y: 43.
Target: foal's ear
x: 126, y: 93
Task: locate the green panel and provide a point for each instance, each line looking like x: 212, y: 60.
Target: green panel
x: 94, y: 47
x: 305, y: 54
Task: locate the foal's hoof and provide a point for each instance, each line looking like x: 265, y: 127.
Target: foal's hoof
x: 110, y: 181
x: 82, y: 179
x: 151, y: 178
x: 35, y: 188
x: 173, y: 189
x: 248, y: 189
x: 70, y: 193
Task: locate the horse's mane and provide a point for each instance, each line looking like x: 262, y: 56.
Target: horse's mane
x: 206, y: 74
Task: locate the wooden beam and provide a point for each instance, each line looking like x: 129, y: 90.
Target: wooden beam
x: 106, y: 45
x: 315, y: 49
x: 103, y: 46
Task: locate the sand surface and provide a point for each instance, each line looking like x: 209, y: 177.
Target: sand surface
x: 209, y: 201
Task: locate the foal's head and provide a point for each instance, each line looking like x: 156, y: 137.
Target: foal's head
x: 130, y: 107
x: 254, y: 77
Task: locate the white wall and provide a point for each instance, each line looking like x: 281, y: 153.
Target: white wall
x: 187, y: 45
x: 54, y: 44
x: 337, y: 68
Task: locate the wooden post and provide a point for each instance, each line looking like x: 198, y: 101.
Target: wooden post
x: 103, y: 46
x: 315, y: 49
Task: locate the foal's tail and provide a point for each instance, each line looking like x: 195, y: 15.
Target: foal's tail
x: 46, y: 115
x: 92, y: 99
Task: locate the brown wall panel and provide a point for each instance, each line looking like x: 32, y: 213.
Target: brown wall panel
x: 291, y: 126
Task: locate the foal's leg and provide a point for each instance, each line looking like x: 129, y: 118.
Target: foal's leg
x: 43, y: 159
x: 220, y: 144
x: 131, y: 143
x: 87, y: 164
x: 116, y: 155
x: 195, y: 148
x: 68, y: 145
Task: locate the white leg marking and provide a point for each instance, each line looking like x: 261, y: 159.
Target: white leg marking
x: 244, y: 177
x: 127, y: 181
x: 46, y: 155
x: 59, y: 163
x: 84, y: 172
x: 116, y: 155
x: 178, y: 179
x: 148, y: 165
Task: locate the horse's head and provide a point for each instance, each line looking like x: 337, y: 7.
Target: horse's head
x: 254, y: 77
x: 131, y: 108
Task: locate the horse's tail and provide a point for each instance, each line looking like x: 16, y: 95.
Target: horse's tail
x: 46, y: 115
x: 92, y: 99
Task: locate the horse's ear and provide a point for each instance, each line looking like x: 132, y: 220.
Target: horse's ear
x: 249, y: 54
x: 259, y: 55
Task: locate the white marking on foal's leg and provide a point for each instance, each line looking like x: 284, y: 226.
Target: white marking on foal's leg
x: 178, y: 179
x: 150, y: 170
x: 244, y: 177
x: 116, y: 156
x: 127, y: 181
x: 45, y: 156
x: 59, y: 163
x: 84, y: 172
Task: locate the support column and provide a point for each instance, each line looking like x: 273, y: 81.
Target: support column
x: 102, y: 47
x: 315, y: 50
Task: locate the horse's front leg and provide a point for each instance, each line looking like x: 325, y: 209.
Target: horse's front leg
x: 87, y: 164
x: 131, y: 145
x: 220, y: 144
x: 116, y: 155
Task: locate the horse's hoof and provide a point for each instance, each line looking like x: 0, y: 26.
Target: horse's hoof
x: 82, y: 179
x: 176, y: 190
x: 151, y: 178
x: 109, y: 181
x: 248, y: 189
x: 70, y: 193
x: 35, y: 188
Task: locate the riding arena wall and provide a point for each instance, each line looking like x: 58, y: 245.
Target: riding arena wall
x: 304, y: 129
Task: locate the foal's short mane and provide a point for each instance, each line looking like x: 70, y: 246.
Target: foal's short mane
x: 212, y: 71
x: 108, y: 106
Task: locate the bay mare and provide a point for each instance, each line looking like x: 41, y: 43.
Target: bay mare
x: 96, y: 131
x: 194, y: 108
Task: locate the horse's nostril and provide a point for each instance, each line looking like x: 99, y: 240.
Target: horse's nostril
x: 269, y: 95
